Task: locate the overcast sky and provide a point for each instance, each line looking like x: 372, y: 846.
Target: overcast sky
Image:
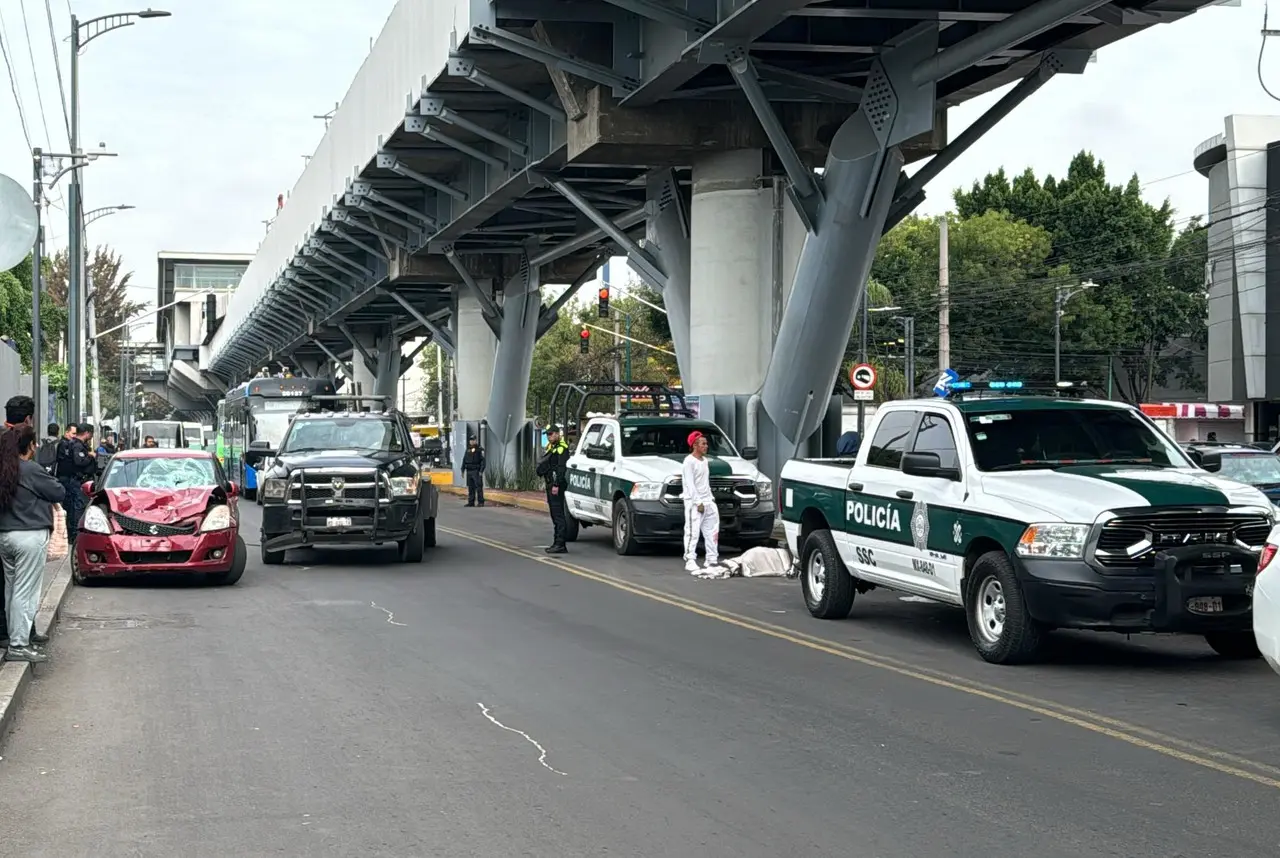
x: 211, y: 111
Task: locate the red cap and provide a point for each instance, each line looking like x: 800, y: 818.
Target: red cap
x: 693, y: 438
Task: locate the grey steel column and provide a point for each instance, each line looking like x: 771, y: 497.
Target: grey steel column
x: 668, y: 231
x: 509, y: 393
x: 75, y: 292
x: 37, y: 260
x: 386, y: 380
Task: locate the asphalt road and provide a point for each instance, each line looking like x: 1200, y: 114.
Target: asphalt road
x: 487, y: 703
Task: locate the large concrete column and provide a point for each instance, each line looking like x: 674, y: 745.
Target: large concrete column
x: 476, y: 347
x: 363, y: 379
x: 509, y: 392
x: 667, y: 235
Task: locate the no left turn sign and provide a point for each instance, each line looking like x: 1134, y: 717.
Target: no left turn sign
x: 862, y: 376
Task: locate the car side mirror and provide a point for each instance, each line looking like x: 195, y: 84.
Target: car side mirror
x: 927, y: 465
x: 87, y: 488
x: 750, y: 453
x: 259, y: 445
x: 1211, y: 461
x: 233, y: 490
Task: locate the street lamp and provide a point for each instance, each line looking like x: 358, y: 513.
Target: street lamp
x: 92, y: 315
x: 82, y: 33
x: 1061, y: 295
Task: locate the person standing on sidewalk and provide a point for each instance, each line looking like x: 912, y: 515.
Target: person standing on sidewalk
x: 19, y: 412
x: 701, y: 517
x: 553, y: 469
x: 76, y: 464
x: 473, y: 469
x: 27, y: 496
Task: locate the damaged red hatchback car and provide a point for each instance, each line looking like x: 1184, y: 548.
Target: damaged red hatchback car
x: 168, y: 511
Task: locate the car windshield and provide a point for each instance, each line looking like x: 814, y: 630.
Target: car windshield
x: 175, y: 472
x: 1026, y: 438
x: 671, y: 439
x: 1255, y: 469
x: 342, y: 433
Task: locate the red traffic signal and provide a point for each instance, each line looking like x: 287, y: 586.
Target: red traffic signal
x: 584, y: 341
x: 604, y: 302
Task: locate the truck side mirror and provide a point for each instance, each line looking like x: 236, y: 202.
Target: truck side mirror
x: 927, y: 465
x: 1211, y: 461
x: 750, y: 453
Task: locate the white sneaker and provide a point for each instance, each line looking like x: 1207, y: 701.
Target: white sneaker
x: 712, y: 564
x: 691, y: 567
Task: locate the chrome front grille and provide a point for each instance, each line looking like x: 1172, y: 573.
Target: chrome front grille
x: 139, y: 527
x: 725, y: 490
x: 334, y: 487
x: 1135, y: 539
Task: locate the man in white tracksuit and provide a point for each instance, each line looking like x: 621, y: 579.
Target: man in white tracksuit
x: 700, y: 513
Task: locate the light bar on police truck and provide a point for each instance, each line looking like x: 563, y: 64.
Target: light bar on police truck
x: 1019, y: 386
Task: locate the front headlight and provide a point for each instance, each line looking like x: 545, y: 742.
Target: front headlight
x: 275, y: 489
x: 95, y: 520
x: 646, y: 491
x: 764, y: 487
x: 402, y: 486
x: 218, y: 518
x: 1054, y: 541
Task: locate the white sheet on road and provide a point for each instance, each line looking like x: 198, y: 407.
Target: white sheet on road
x: 759, y: 562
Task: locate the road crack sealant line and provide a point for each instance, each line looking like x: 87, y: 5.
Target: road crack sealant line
x: 542, y: 752
x: 391, y: 618
x: 1214, y: 759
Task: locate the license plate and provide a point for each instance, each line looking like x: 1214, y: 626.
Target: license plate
x: 344, y: 521
x: 1205, y: 605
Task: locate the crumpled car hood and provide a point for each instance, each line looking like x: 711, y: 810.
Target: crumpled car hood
x: 161, y: 506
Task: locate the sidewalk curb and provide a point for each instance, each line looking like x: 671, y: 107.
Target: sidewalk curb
x: 534, y: 505
x: 16, y: 676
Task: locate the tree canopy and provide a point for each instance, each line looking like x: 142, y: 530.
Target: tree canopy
x: 15, y: 315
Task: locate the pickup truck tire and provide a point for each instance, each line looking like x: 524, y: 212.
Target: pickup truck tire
x: 1234, y: 645
x: 238, y: 562
x: 271, y: 558
x: 571, y: 527
x: 624, y: 540
x: 828, y: 586
x: 429, y: 532
x: 411, y: 547
x: 1002, y: 629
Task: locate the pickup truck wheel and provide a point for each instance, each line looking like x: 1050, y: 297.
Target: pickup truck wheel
x: 429, y: 532
x: 1002, y: 629
x: 238, y: 561
x: 571, y: 527
x: 828, y: 586
x: 624, y: 540
x: 271, y: 558
x: 411, y: 548
x: 1234, y: 645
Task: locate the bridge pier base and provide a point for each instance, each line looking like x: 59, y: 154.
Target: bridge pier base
x: 382, y: 378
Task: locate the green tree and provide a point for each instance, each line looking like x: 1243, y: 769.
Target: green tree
x: 112, y: 307
x: 431, y: 388
x: 15, y: 314
x: 1144, y: 313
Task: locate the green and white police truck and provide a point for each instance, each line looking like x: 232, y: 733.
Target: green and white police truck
x: 1032, y: 513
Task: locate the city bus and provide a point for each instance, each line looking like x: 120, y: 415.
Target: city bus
x: 260, y: 410
x: 168, y: 433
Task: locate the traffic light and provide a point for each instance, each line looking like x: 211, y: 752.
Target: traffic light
x: 604, y: 302
x: 584, y: 341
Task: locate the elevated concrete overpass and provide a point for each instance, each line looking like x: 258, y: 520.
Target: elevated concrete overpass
x: 487, y: 148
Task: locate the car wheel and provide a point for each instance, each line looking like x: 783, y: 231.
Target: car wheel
x: 80, y: 579
x: 827, y: 584
x: 429, y: 532
x: 1002, y: 629
x: 1237, y: 646
x: 624, y: 540
x: 238, y: 561
x: 271, y: 558
x: 571, y: 527
x: 411, y: 548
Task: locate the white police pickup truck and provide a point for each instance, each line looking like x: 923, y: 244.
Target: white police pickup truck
x: 625, y: 473
x: 1032, y: 513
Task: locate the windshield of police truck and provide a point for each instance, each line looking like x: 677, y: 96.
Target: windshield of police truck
x: 671, y: 439
x: 1255, y: 469
x: 1026, y: 438
x: 315, y: 434
x: 177, y: 472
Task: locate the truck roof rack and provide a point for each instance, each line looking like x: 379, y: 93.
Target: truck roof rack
x: 965, y: 391
x: 569, y: 401
x: 353, y: 398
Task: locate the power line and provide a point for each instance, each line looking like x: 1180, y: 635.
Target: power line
x: 35, y: 72
x: 57, y: 65
x: 13, y: 83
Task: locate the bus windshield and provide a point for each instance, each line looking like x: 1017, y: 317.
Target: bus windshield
x: 271, y: 418
x: 166, y: 432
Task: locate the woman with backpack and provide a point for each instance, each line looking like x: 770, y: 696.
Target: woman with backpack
x: 27, y: 495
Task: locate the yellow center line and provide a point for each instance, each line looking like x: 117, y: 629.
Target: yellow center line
x: 1178, y: 749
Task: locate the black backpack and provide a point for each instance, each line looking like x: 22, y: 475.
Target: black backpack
x: 47, y: 454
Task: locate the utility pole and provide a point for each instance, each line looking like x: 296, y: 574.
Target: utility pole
x: 37, y: 261
x: 95, y: 385
x: 1061, y: 295
x: 944, y: 294
x: 909, y: 347
x: 863, y: 322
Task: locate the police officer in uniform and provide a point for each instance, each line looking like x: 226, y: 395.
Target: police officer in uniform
x: 76, y: 465
x: 553, y: 468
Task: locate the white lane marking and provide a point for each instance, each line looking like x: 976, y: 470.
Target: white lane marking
x: 391, y: 618
x: 542, y: 752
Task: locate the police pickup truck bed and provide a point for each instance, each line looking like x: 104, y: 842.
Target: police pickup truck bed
x: 1032, y: 514
x: 346, y: 478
